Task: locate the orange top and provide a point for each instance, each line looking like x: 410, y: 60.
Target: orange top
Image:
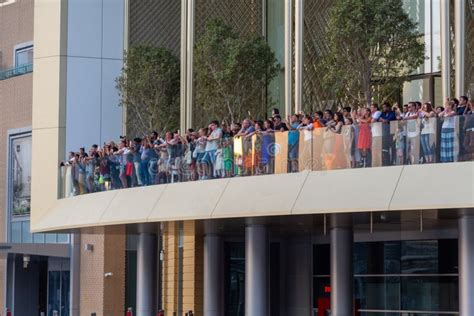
x: 317, y: 124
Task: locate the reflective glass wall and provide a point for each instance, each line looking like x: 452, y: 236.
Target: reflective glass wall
x: 276, y: 40
x: 19, y: 193
x: 396, y: 277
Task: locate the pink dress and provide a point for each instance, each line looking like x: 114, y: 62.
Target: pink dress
x: 365, y: 136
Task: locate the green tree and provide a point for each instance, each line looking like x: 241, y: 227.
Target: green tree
x: 231, y: 73
x: 372, y: 46
x: 149, y: 89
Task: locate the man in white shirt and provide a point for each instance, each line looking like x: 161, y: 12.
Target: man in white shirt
x: 413, y: 132
x: 213, y: 142
x: 376, y: 135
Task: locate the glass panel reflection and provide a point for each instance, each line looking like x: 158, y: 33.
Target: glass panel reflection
x: 378, y: 292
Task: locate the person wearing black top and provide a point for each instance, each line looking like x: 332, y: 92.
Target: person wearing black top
x: 278, y: 124
x: 388, y: 146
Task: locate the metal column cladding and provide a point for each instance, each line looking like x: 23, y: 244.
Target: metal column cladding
x: 342, y: 239
x: 466, y: 262
x: 255, y: 270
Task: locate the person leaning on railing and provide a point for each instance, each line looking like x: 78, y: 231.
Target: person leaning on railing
x: 345, y: 138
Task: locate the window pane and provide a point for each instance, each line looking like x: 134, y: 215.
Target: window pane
x: 25, y: 232
x: 65, y: 277
x: 50, y: 238
x: 321, y: 259
x: 378, y: 292
x: 235, y: 278
x: 63, y: 238
x: 38, y: 238
x: 420, y: 256
x: 54, y: 291
x: 377, y: 258
x: 20, y: 152
x: 24, y: 56
x: 16, y: 232
x: 437, y: 293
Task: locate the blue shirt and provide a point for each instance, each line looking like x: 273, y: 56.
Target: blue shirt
x: 293, y: 135
x: 388, y: 116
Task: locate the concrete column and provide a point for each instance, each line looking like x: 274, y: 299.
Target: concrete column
x: 460, y: 44
x: 299, y: 47
x: 146, y: 269
x: 299, y: 276
x: 183, y: 60
x: 342, y: 283
x: 445, y: 50
x: 466, y: 262
x: 255, y: 270
x: 213, y: 271
x: 190, y: 62
x: 288, y: 56
x: 75, y: 263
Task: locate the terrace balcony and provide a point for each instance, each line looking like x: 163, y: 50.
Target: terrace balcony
x: 410, y: 165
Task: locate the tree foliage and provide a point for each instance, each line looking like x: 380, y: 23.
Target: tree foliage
x: 372, y: 45
x: 231, y: 73
x: 149, y: 89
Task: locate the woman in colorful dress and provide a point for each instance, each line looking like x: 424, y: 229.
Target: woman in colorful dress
x: 447, y: 133
x: 364, y: 141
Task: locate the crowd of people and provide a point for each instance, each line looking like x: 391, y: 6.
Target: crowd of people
x: 324, y: 140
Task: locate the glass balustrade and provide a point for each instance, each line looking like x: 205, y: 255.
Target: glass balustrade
x: 16, y: 71
x: 409, y: 142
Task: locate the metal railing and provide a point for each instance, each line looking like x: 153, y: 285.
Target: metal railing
x: 410, y: 142
x: 16, y: 71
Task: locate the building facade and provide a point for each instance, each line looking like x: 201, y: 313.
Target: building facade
x: 390, y: 240
x: 34, y: 268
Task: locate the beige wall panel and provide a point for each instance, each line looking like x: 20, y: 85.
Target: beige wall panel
x: 49, y: 33
x: 59, y: 215
x: 448, y: 185
x: 45, y: 171
x: 351, y: 190
x: 92, y: 208
x: 260, y: 196
x: 49, y: 77
x: 368, y: 189
x: 189, y: 200
x: 132, y: 205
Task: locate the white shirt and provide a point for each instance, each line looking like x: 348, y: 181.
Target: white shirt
x: 376, y: 126
x: 216, y: 135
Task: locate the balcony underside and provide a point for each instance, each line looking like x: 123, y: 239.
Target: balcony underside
x: 414, y: 187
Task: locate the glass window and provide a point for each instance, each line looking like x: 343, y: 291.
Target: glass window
x: 38, y: 238
x: 419, y: 256
x: 63, y: 238
x: 51, y: 238
x: 377, y: 292
x: 429, y: 293
x: 276, y: 40
x: 385, y: 258
x: 396, y: 275
x: 65, y: 278
x: 235, y: 279
x: 24, y: 56
x: 26, y: 236
x: 16, y: 232
x: 321, y: 259
x: 20, y: 158
x: 54, y: 292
